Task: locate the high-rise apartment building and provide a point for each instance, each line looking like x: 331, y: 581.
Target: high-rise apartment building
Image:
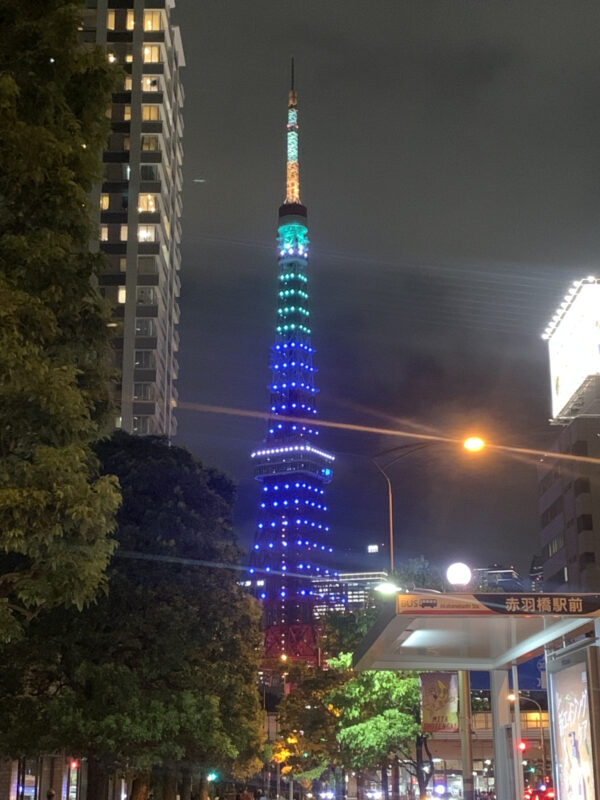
x: 140, y: 205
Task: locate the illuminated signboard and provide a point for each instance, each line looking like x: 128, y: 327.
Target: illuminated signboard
x: 572, y: 727
x: 574, y: 343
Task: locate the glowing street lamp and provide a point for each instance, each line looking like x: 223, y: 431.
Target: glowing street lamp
x: 459, y: 574
x: 473, y: 444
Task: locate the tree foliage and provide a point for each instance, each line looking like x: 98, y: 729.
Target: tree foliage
x: 161, y: 669
x: 56, y: 512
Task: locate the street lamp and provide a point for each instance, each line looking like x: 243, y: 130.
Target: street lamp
x: 473, y: 444
x: 512, y: 697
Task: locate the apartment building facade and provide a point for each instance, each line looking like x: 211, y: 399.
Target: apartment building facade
x: 140, y: 206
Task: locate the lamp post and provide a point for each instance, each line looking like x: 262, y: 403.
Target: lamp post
x: 473, y: 444
x: 512, y: 697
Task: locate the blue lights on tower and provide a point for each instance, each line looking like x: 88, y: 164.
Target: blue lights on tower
x: 291, y: 542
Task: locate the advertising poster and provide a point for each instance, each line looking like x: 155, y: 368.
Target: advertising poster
x: 439, y: 702
x: 572, y: 733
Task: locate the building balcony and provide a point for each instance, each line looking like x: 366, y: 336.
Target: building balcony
x: 146, y: 310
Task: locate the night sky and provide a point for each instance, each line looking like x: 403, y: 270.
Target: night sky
x: 450, y: 163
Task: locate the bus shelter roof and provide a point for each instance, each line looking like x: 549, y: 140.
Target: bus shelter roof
x: 437, y: 631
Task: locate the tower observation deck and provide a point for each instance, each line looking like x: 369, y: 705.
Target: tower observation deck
x: 291, y: 539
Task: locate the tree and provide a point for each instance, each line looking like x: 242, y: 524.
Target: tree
x: 56, y: 512
x: 161, y: 671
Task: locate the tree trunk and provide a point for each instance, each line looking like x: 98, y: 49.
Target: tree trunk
x: 395, y: 779
x: 204, y: 794
x: 170, y: 783
x: 385, y: 789
x: 186, y: 785
x: 140, y: 787
x: 340, y: 783
x: 360, y: 786
x: 97, y: 780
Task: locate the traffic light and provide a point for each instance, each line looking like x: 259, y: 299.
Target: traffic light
x: 212, y: 777
x: 522, y: 746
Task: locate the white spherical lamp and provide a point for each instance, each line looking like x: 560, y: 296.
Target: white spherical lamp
x: 458, y: 574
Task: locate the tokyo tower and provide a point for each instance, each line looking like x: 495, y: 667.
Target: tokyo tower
x: 290, y: 544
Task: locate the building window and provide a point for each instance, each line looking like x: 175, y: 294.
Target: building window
x: 146, y: 296
x: 146, y: 233
x: 121, y: 294
x: 585, y: 523
x: 149, y: 172
x: 123, y: 264
x: 150, y: 143
x: 145, y: 326
x: 144, y: 359
x: 126, y: 143
x: 147, y: 265
x: 126, y: 113
x: 555, y: 545
x: 128, y: 85
x: 110, y: 20
x: 150, y: 113
x: 581, y: 486
x: 142, y: 424
x: 552, y: 511
x: 147, y: 203
x: 130, y: 21
x: 104, y: 233
x: 123, y: 234
x: 151, y: 54
x: 152, y: 21
x: 150, y: 83
x: 104, y: 202
x: 143, y: 391
x: 129, y: 58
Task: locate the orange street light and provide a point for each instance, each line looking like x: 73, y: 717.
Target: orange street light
x: 474, y: 444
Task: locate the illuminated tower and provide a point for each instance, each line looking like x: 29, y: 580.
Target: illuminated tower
x: 290, y: 544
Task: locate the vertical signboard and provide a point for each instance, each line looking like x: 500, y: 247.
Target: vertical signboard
x: 439, y: 702
x: 572, y: 727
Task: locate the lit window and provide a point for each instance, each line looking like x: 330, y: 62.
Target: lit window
x: 104, y: 233
x: 110, y: 20
x: 123, y: 233
x: 152, y: 21
x: 147, y: 203
x: 150, y: 143
x: 126, y: 113
x: 130, y: 21
x: 128, y: 86
x: 104, y: 202
x: 151, y: 54
x: 128, y: 58
x: 123, y: 264
x: 121, y: 294
x: 126, y: 143
x: 150, y: 113
x: 150, y: 84
x: 146, y: 233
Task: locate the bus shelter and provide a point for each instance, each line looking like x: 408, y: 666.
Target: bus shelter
x: 494, y: 633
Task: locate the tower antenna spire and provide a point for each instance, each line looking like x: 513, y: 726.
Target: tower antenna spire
x: 293, y: 168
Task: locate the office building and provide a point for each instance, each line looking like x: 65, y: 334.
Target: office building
x: 569, y: 481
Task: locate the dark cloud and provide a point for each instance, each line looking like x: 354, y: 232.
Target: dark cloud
x: 450, y: 160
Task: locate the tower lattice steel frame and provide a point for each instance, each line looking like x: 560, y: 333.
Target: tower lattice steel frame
x: 290, y: 540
